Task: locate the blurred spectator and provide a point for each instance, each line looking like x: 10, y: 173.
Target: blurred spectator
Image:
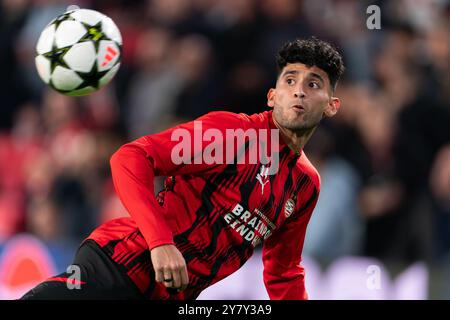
x: 440, y: 191
x: 335, y: 228
x: 18, y: 150
x: 194, y: 62
x: 153, y: 90
x: 45, y: 222
x: 13, y: 16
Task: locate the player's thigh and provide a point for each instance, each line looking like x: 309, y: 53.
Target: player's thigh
x: 93, y: 275
x: 61, y: 287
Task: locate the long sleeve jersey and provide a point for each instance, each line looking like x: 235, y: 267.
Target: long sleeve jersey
x: 214, y: 212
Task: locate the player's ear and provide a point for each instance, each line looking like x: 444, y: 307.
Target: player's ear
x: 270, y: 97
x: 333, y: 106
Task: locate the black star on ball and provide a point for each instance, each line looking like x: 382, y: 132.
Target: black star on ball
x: 64, y: 17
x: 56, y: 57
x: 91, y: 78
x: 94, y: 33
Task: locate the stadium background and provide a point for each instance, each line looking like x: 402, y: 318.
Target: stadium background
x: 384, y: 210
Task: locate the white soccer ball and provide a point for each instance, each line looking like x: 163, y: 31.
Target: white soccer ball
x: 79, y: 52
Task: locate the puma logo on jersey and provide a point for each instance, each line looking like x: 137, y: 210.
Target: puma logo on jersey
x: 263, y: 177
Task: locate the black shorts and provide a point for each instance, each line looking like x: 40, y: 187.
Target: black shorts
x: 94, y: 275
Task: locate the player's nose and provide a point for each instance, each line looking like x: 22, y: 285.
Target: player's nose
x: 299, y: 92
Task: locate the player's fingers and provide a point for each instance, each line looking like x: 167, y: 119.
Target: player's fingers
x: 176, y: 278
x: 168, y: 278
x: 159, y: 275
x: 184, y: 278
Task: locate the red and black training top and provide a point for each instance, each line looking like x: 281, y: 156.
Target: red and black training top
x: 214, y: 213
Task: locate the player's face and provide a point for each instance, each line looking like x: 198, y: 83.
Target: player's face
x: 302, y: 97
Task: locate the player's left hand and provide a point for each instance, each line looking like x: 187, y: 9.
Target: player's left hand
x: 170, y: 267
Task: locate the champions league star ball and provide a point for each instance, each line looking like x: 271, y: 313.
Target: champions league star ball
x: 79, y: 52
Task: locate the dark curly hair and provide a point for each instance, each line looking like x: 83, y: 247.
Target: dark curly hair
x: 312, y: 52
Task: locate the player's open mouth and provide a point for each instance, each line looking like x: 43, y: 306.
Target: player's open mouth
x: 299, y: 108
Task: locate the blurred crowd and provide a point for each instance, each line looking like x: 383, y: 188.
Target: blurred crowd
x: 384, y: 159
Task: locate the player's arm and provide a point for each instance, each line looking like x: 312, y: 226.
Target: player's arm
x: 284, y: 277
x: 134, y: 167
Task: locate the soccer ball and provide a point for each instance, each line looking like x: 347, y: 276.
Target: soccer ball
x: 79, y: 52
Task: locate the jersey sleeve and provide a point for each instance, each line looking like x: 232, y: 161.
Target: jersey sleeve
x: 284, y: 277
x: 135, y: 164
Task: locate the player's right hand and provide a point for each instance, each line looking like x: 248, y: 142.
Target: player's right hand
x: 170, y: 267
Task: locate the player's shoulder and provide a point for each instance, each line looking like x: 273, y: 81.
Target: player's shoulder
x: 253, y: 120
x: 308, y: 168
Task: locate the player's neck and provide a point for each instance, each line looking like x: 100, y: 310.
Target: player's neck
x: 295, y: 140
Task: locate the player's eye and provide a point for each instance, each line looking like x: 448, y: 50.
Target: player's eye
x: 290, y: 81
x: 314, y: 85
